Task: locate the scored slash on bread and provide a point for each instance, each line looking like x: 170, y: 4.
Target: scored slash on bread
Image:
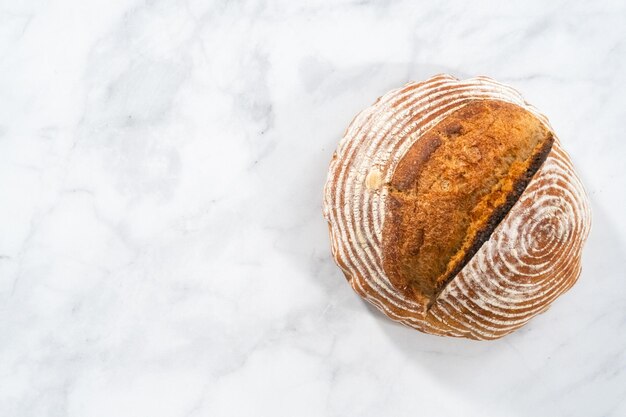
x: 453, y: 208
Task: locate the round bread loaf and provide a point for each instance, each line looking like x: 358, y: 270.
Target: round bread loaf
x: 453, y: 208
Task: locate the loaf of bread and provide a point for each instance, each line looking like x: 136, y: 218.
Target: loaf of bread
x: 453, y: 208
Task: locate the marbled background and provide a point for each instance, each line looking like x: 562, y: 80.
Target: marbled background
x: 162, y: 248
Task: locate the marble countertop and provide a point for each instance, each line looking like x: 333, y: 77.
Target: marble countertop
x: 162, y: 247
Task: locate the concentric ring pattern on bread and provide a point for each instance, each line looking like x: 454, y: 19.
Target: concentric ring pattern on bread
x: 453, y: 208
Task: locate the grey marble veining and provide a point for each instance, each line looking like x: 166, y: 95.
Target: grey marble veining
x: 162, y: 248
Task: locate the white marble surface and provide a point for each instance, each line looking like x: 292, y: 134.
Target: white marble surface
x: 162, y: 248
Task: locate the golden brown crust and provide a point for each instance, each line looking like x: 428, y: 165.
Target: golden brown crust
x: 453, y: 187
